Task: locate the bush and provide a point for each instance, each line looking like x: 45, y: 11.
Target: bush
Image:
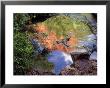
x: 23, y: 50
x: 22, y: 46
x: 23, y: 53
x: 20, y: 20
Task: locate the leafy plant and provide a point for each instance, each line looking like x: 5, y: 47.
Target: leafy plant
x: 23, y: 50
x: 20, y: 20
x: 23, y: 53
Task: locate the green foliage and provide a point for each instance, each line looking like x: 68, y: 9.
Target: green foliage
x: 22, y: 46
x: 19, y: 20
x: 23, y: 50
x: 23, y: 53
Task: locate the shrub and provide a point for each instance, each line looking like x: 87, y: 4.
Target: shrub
x: 20, y: 20
x: 23, y: 50
x: 23, y: 53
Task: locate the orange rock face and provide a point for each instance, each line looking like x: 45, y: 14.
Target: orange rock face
x: 72, y: 41
x: 40, y: 27
x: 50, y: 40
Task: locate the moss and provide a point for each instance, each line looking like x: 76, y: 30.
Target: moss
x: 63, y: 24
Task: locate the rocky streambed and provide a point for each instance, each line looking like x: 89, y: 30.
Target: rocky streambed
x: 81, y: 66
x: 84, y: 59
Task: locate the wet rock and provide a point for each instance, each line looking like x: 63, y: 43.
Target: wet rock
x: 93, y: 56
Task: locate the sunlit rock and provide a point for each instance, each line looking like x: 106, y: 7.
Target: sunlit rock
x: 37, y: 46
x: 93, y: 56
x: 91, y: 46
x: 92, y: 37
